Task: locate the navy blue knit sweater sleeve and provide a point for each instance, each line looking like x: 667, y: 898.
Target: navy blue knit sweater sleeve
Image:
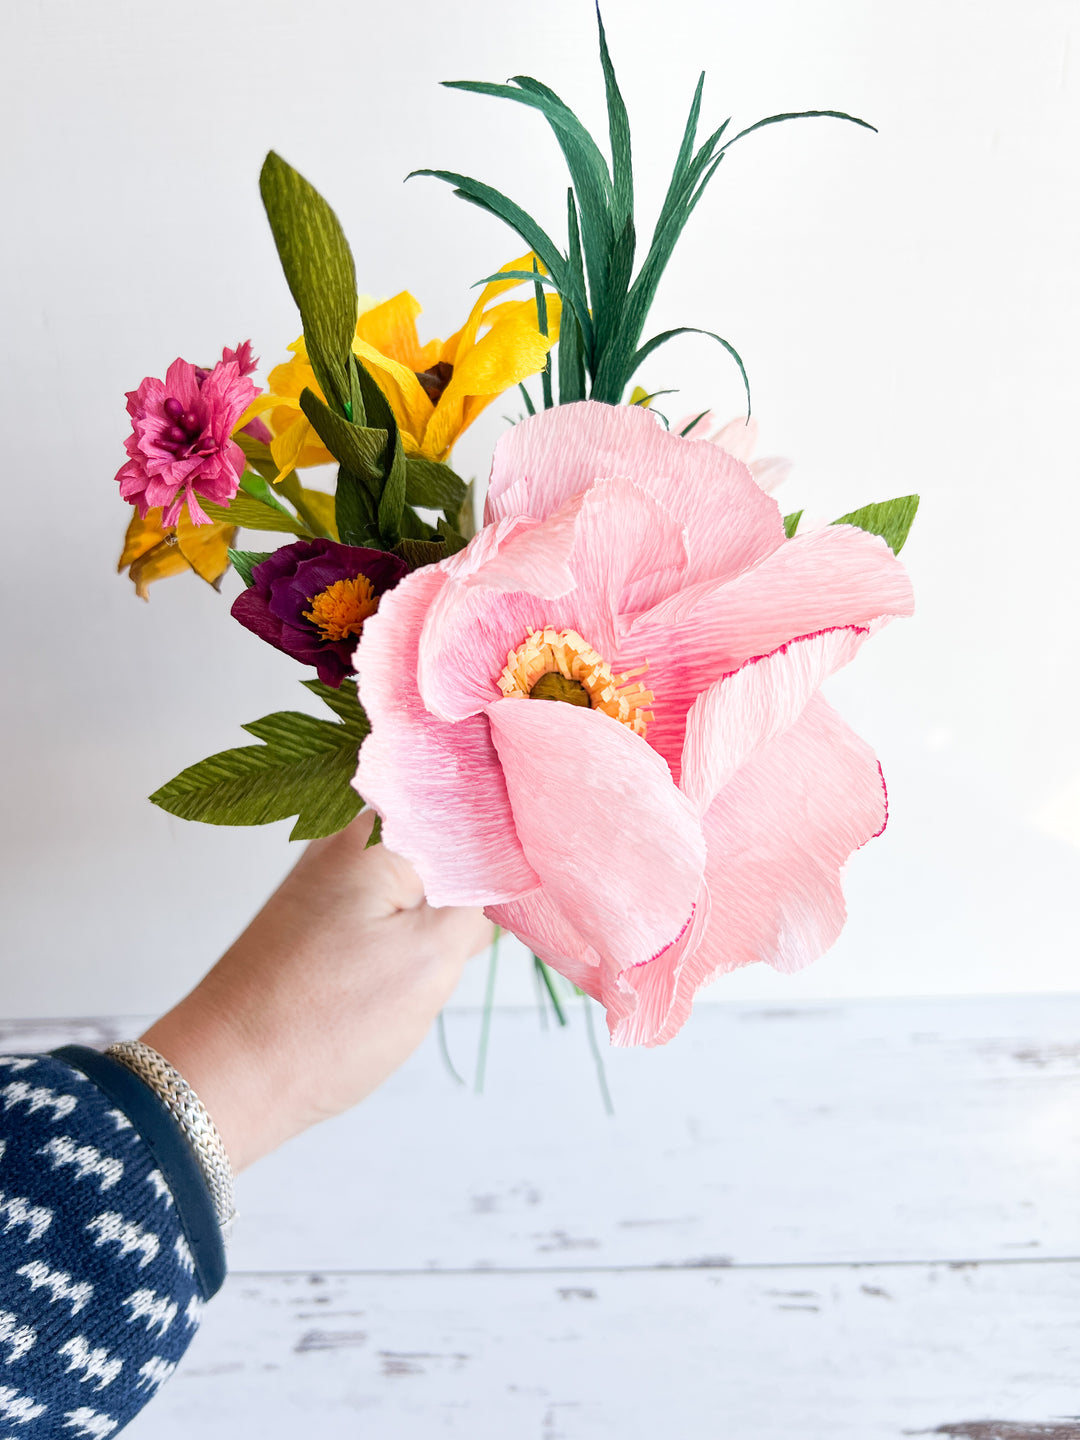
x: 108, y: 1246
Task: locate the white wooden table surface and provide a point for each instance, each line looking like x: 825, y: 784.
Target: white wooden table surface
x: 813, y: 1222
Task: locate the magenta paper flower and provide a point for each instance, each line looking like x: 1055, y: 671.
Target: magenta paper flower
x: 691, y: 809
x: 181, y: 439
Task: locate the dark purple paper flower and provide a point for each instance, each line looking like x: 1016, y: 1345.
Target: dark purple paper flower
x: 311, y: 599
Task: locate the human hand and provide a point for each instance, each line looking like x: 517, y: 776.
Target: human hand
x: 329, y: 989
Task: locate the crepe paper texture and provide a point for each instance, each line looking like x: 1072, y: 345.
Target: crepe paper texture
x: 702, y: 825
x: 684, y: 801
x: 303, y: 768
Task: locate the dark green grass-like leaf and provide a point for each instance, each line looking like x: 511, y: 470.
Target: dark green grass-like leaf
x: 799, y: 115
x: 891, y: 519
x: 657, y: 340
x: 622, y: 172
x: 511, y: 214
x: 303, y: 767
x: 319, y: 270
x: 244, y: 561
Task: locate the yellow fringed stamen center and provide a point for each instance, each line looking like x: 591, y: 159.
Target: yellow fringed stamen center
x: 560, y: 665
x: 340, y: 610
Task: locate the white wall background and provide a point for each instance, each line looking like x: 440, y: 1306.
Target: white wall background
x: 907, y: 305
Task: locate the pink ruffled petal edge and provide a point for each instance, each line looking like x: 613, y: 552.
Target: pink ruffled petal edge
x: 755, y: 704
x: 779, y: 835
x: 552, y: 456
x: 439, y: 788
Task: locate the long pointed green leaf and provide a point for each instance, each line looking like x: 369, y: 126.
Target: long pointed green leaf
x: 657, y: 340
x: 799, y: 115
x: 319, y: 268
x: 622, y: 172
x: 510, y: 213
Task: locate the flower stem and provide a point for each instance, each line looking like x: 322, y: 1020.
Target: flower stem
x: 444, y: 1049
x: 598, y: 1058
x: 485, y: 1023
x: 545, y: 975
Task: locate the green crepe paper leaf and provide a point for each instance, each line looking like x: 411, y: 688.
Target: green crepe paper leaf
x: 253, y: 484
x: 693, y: 424
x: 413, y: 528
x: 433, y: 486
x: 526, y: 227
x: 657, y: 340
x: 316, y: 508
x: 571, y: 335
x: 251, y: 514
x: 320, y: 272
x: 454, y: 541
x: 361, y: 449
x: 379, y: 411
x: 529, y: 406
x: 303, y: 768
x: 254, y: 450
x: 891, y: 519
x: 376, y: 833
x: 799, y: 115
x: 244, y: 561
x: 586, y: 164
x: 392, y: 500
x: 791, y: 523
x: 362, y: 453
x: 619, y: 131
x: 418, y: 553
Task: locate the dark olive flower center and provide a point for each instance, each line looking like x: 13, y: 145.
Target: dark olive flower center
x: 554, y: 686
x: 436, y: 379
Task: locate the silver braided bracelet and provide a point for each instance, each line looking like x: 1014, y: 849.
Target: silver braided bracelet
x: 190, y: 1114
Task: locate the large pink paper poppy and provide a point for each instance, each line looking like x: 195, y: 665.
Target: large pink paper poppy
x: 691, y: 808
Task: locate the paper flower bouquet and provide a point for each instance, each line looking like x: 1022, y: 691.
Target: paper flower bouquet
x: 685, y: 802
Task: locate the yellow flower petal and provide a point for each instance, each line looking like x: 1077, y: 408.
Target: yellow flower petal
x: 151, y: 553
x: 512, y: 350
x: 410, y: 404
x: 295, y: 443
x: 390, y: 328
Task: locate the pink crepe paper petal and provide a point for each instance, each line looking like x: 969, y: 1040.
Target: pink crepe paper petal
x: 738, y: 437
x: 439, y: 788
x: 549, y: 457
x: 621, y: 548
x: 831, y: 578
x: 779, y: 834
x: 518, y: 554
x: 537, y: 921
x: 640, y: 1005
x: 619, y: 851
x: 770, y: 472
x: 747, y: 709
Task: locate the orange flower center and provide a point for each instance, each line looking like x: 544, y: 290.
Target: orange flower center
x: 341, y: 609
x: 560, y: 665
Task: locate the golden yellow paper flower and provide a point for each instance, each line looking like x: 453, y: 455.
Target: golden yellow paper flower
x: 153, y: 553
x: 435, y: 390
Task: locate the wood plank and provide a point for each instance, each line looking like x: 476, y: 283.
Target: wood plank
x: 825, y: 1353
x: 902, y: 1130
